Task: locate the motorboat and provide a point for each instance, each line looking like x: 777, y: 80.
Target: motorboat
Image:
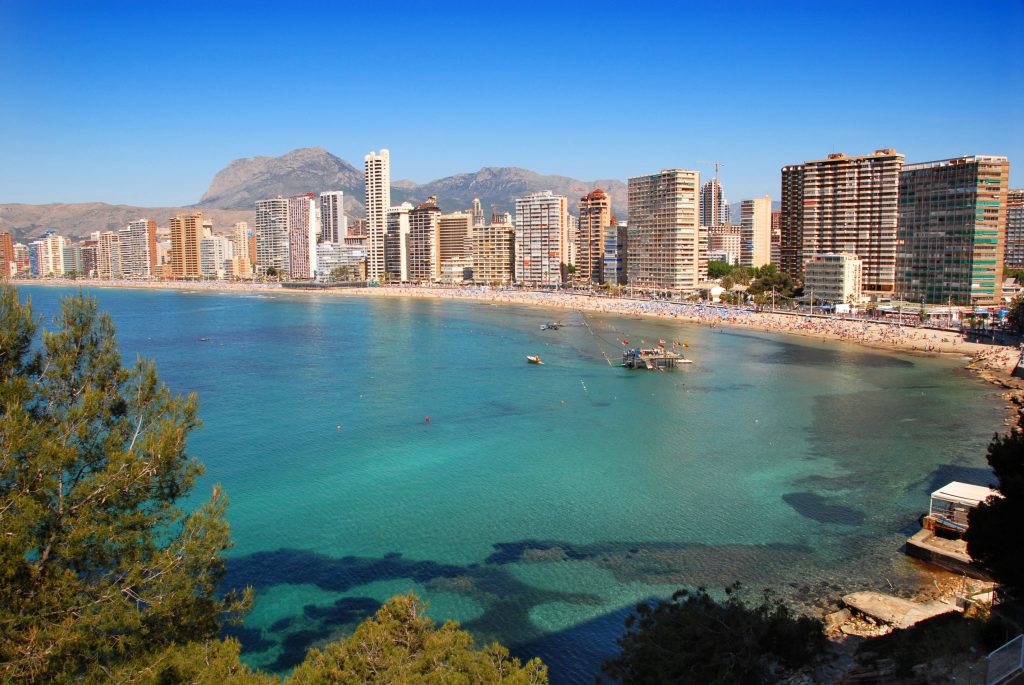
x: 533, y: 359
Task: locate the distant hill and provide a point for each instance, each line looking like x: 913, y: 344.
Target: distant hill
x: 233, y: 192
x: 244, y: 181
x: 79, y: 220
x: 311, y: 169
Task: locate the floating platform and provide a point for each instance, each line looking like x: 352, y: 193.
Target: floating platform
x: 657, y: 358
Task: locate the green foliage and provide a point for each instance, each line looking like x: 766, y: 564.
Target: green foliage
x: 97, y: 563
x: 695, y: 639
x: 211, y: 662
x: 769, y: 278
x: 991, y: 535
x: 401, y: 645
x: 1015, y: 314
x: 1014, y: 273
x: 718, y: 269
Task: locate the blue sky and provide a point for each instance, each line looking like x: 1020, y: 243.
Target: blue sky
x: 142, y: 102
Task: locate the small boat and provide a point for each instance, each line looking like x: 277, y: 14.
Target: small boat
x: 684, y: 360
x: 533, y: 359
x: 550, y: 326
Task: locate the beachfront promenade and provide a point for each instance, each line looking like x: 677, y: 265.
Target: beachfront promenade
x: 873, y: 333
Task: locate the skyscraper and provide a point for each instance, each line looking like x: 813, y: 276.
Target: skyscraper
x: 186, y: 230
x: 108, y: 254
x: 333, y: 225
x: 272, y: 235
x: 542, y: 227
x: 215, y: 253
x: 8, y: 265
x: 952, y: 227
x: 595, y: 220
x: 1015, y: 229
x: 843, y: 204
x: 137, y: 243
x: 396, y: 243
x: 714, y: 207
x: 378, y: 201
x: 776, y: 236
x: 424, y: 247
x: 665, y: 243
x: 302, y: 232
x: 756, y: 232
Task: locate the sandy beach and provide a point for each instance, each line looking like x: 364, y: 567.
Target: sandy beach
x: 993, y: 358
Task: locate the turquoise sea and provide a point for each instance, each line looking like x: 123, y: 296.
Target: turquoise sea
x: 541, y: 503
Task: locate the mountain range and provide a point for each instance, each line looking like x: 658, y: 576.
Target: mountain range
x: 313, y: 169
x: 233, y: 192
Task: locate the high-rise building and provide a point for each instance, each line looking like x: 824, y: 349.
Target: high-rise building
x: 714, y: 207
x: 21, y: 259
x: 667, y: 249
x: 215, y: 254
x: 73, y: 263
x: 493, y: 253
x: 424, y: 247
x: 952, y: 226
x: 378, y: 201
x: 47, y: 255
x: 333, y: 224
x: 186, y: 232
x: 272, y: 236
x: 756, y: 230
x: 594, y: 223
x: 776, y: 236
x: 396, y: 243
x: 843, y: 204
x: 108, y: 254
x: 541, y: 233
x: 8, y: 266
x: 242, y: 241
x: 138, y: 248
x: 615, y: 250
x: 302, y: 232
x: 453, y: 238
x: 1015, y: 229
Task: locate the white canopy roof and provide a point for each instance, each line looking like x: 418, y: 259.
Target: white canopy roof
x: 965, y: 493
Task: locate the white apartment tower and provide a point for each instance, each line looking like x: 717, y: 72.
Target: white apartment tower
x: 378, y: 202
x: 135, y: 239
x: 542, y: 232
x: 666, y: 247
x: 756, y: 232
x: 272, y: 235
x: 333, y: 223
x: 215, y: 254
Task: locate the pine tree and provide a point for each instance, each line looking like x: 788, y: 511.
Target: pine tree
x: 98, y: 564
